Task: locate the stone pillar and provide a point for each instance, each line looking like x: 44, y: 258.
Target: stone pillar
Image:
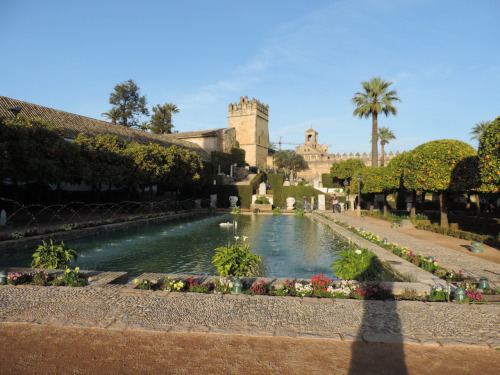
x: 197, y: 203
x: 352, y: 201
x: 262, y: 188
x: 321, y: 202
x: 312, y: 203
x: 232, y: 201
x: 290, y: 202
x: 231, y: 171
x: 213, y: 200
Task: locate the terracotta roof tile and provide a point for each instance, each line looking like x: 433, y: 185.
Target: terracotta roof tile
x: 73, y: 124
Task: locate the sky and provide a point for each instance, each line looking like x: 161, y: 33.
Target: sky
x: 306, y: 60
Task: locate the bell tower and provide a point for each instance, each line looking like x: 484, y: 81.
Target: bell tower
x: 250, y: 118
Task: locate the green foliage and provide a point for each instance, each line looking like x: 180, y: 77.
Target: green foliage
x: 145, y: 284
x: 128, y: 103
x: 236, y: 260
x: 359, y: 264
x: 376, y: 180
x: 236, y: 211
x: 299, y: 212
x: 72, y: 278
x: 262, y: 200
x: 438, y: 295
x: 346, y: 169
x: 238, y: 156
x: 431, y: 166
x: 276, y: 211
x: 243, y: 192
x: 489, y: 156
x: 225, y: 160
x: 34, y: 151
x: 161, y: 120
x: 52, y: 256
x: 289, y: 161
x: 328, y: 181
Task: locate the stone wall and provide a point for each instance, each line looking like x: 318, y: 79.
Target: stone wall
x: 250, y: 120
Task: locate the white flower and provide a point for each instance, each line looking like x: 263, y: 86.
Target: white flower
x: 358, y: 251
x: 244, y: 238
x: 236, y: 238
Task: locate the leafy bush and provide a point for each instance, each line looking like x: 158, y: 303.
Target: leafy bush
x: 145, y: 284
x: 52, y: 256
x: 236, y: 211
x: 236, y: 260
x: 359, y: 264
x: 71, y: 278
x: 299, y: 212
x: 276, y: 211
x: 438, y: 294
x: 489, y: 156
x: 262, y: 200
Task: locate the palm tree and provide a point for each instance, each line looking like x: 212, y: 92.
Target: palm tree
x: 478, y: 129
x: 161, y: 121
x: 385, y: 134
x: 374, y: 100
x: 113, y: 115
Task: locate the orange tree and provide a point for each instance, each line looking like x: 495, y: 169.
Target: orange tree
x: 399, y: 170
x: 432, y: 167
x: 377, y: 180
x: 346, y: 169
x: 489, y: 157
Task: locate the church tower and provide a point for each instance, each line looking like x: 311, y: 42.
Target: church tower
x: 251, y: 121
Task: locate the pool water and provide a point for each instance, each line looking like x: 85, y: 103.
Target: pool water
x: 290, y: 246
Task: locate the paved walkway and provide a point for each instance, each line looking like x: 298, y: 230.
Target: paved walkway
x: 471, y: 264
x: 118, y: 306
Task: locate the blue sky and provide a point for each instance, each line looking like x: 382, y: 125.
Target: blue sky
x: 304, y: 59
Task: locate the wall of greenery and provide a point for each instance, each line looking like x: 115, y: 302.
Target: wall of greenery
x: 34, y: 152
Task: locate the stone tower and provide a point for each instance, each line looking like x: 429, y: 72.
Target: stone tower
x: 312, y: 137
x: 250, y: 118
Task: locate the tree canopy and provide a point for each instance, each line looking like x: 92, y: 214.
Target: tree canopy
x: 289, y: 161
x: 385, y: 135
x: 346, y: 168
x: 434, y: 167
x: 127, y: 103
x: 489, y: 156
x: 161, y: 120
x: 373, y: 100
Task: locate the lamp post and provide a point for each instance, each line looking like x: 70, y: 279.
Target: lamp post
x: 345, y: 187
x: 360, y: 179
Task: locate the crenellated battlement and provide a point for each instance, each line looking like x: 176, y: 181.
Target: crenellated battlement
x: 333, y: 158
x: 248, y: 106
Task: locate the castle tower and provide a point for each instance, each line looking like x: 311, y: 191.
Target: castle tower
x: 251, y: 121
x: 312, y: 137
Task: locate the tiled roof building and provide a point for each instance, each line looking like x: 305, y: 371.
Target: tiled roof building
x: 72, y: 125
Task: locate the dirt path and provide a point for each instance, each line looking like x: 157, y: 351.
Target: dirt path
x: 34, y: 349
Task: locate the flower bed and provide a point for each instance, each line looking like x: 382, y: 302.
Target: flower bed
x: 319, y: 286
x: 68, y: 278
x: 428, y: 264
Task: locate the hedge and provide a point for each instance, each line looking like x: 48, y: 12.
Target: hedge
x: 243, y: 192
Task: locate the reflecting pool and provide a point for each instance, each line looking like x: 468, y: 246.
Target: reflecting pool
x: 290, y: 246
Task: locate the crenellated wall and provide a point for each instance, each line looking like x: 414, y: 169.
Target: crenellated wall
x: 250, y: 119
